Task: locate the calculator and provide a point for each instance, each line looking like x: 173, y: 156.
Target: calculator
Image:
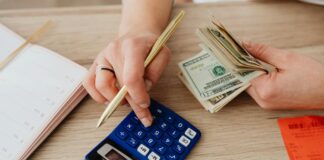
x: 169, y: 138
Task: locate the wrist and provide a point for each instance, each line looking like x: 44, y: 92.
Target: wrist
x: 134, y: 29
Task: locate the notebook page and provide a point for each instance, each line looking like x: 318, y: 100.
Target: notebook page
x: 33, y: 88
x: 9, y: 41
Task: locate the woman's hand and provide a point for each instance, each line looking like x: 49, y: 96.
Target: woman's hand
x: 141, y: 24
x: 298, y: 82
x: 126, y: 57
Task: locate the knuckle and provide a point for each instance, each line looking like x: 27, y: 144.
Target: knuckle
x: 151, y: 40
x: 102, y: 86
x: 111, y: 51
x: 131, y: 42
x: 114, y: 45
x: 87, y: 82
x: 261, y: 50
x: 152, y: 75
x: 98, y: 99
x: 289, y: 56
x: 130, y: 80
x: 267, y: 93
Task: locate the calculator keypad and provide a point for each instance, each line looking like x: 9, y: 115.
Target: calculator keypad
x: 167, y: 139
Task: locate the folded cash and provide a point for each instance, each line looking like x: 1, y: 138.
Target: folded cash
x: 222, y: 70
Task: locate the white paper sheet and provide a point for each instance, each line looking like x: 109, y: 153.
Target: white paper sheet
x: 33, y: 89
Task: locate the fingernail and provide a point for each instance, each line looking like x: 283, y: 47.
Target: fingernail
x: 146, y: 122
x: 148, y: 84
x: 144, y: 105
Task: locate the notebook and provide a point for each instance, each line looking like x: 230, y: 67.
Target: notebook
x: 38, y: 88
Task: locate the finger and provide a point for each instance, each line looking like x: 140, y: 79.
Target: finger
x: 133, y: 75
x: 156, y: 67
x: 266, y: 53
x: 143, y: 114
x: 105, y: 81
x: 89, y: 85
x: 252, y: 92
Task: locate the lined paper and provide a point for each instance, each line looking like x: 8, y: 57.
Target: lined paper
x: 33, y: 89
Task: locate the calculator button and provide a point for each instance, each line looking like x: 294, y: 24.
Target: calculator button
x: 184, y: 141
x: 164, y: 126
x: 129, y: 126
x: 161, y: 149
x: 170, y: 118
x: 150, y: 141
x: 167, y: 140
x: 180, y: 126
x: 135, y: 119
x: 190, y: 133
x: 132, y: 142
x: 174, y: 133
x: 178, y: 148
x: 153, y: 156
x: 157, y: 133
x: 143, y: 150
x: 122, y: 134
x: 140, y: 134
x: 158, y: 112
x: 171, y: 156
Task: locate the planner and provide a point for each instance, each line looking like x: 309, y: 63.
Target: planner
x: 38, y: 89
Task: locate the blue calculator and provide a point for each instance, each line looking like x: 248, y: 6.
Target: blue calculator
x: 169, y: 138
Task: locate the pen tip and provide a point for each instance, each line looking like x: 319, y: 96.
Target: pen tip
x: 99, y: 124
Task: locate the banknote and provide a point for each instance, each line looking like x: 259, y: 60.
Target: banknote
x: 207, y: 76
x: 222, y: 70
x: 214, y: 104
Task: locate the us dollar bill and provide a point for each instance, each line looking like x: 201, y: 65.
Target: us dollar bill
x: 209, y: 78
x: 222, y: 70
x: 214, y: 104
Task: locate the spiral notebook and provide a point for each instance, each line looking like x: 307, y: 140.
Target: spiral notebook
x: 38, y: 88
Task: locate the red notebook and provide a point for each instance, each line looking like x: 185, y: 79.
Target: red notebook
x: 303, y: 137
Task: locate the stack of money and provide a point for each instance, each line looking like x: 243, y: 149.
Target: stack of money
x: 222, y: 70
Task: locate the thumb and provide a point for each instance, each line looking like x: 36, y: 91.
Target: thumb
x: 266, y: 53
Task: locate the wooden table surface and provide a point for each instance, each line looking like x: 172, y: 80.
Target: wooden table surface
x: 241, y: 130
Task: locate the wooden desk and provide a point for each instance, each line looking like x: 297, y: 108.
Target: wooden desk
x: 241, y: 130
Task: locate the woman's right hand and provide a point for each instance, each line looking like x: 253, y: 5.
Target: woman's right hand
x: 126, y: 56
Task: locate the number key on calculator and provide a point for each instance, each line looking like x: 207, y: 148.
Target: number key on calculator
x: 169, y: 138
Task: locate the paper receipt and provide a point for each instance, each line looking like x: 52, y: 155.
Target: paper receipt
x: 303, y: 137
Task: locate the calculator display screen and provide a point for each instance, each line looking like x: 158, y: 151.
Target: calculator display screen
x: 113, y: 155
